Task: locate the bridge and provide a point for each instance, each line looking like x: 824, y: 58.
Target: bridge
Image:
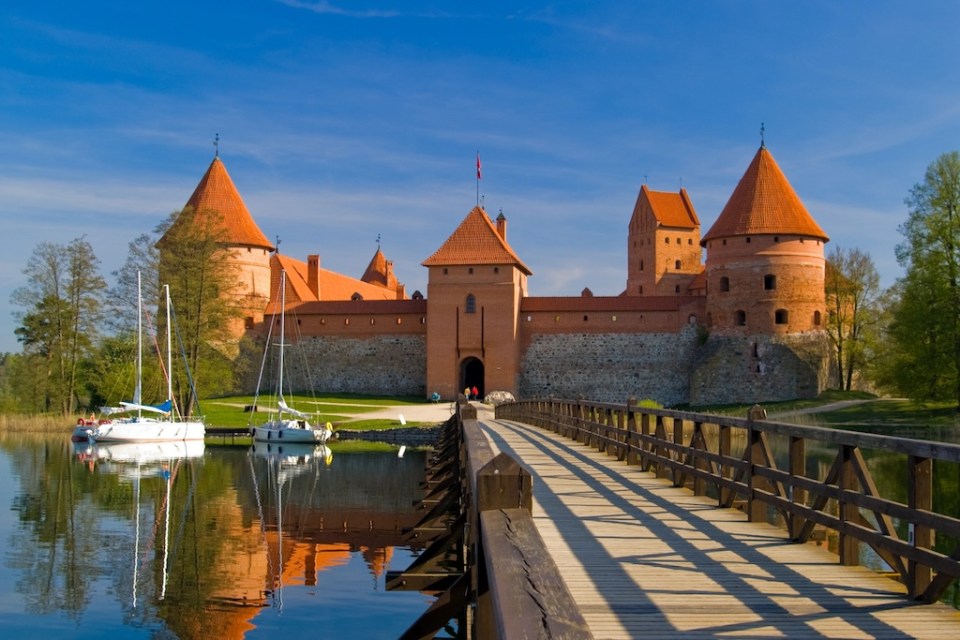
x: 667, y: 524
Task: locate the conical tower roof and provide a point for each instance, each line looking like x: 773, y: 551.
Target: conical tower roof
x: 475, y: 241
x: 377, y: 272
x: 216, y: 192
x: 764, y: 203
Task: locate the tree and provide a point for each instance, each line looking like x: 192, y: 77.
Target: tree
x: 852, y: 292
x: 61, y: 321
x: 203, y: 280
x: 926, y: 320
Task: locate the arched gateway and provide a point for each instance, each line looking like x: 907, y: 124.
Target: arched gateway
x: 471, y: 374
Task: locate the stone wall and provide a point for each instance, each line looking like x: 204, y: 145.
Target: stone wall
x: 382, y: 365
x: 750, y: 369
x: 609, y: 367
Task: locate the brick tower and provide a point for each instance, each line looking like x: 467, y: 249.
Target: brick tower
x: 249, y: 248
x: 765, y: 260
x: 475, y: 285
x: 663, y: 244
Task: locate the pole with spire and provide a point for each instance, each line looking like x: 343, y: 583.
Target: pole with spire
x: 478, y: 178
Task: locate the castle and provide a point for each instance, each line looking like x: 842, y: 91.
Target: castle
x: 745, y: 325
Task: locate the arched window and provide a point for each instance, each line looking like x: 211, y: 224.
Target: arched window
x: 816, y: 318
x: 356, y: 296
x: 780, y: 316
x: 471, y: 306
x: 676, y: 264
x: 724, y: 283
x: 740, y: 318
x: 769, y: 282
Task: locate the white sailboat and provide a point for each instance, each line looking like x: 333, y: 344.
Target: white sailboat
x: 164, y: 424
x: 285, y: 423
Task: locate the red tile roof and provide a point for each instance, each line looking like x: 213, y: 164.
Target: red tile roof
x: 216, y: 192
x: 671, y: 209
x: 333, y: 285
x: 475, y: 241
x: 379, y: 273
x: 764, y: 203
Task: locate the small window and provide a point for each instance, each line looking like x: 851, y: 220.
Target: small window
x: 640, y: 289
x: 423, y: 319
x: 724, y: 283
x: 373, y: 321
x: 769, y: 282
x: 346, y: 321
x: 446, y: 271
x: 740, y: 318
x: 692, y: 319
x: 816, y: 318
x: 776, y: 238
x: 689, y: 240
x: 780, y: 316
x: 641, y: 265
x: 613, y: 318
x: 676, y: 288
x: 678, y: 240
x: 556, y: 318
x: 676, y: 264
x: 356, y: 297
x: 724, y: 242
x: 529, y: 318
x: 496, y: 269
x: 399, y: 320
x: 748, y: 239
x: 666, y: 241
x: 323, y: 321
x: 470, y: 270
x: 471, y: 306
x: 585, y: 318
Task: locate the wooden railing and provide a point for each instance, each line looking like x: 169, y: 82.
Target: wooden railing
x: 733, y: 459
x: 485, y: 560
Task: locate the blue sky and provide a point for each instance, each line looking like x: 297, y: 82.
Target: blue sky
x: 342, y: 121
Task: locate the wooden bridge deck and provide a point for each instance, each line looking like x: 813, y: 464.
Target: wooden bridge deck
x: 644, y: 559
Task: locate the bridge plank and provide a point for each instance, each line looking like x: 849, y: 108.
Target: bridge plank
x: 643, y: 558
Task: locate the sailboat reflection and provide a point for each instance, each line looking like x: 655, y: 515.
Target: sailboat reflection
x: 134, y: 462
x: 284, y: 462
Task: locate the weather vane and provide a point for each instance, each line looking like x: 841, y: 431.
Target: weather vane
x: 378, y: 241
x: 762, y: 143
x: 278, y: 243
x: 216, y: 145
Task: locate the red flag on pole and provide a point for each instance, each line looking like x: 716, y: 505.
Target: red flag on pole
x: 478, y: 166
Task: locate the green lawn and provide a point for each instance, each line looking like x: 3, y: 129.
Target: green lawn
x: 337, y: 409
x: 875, y: 414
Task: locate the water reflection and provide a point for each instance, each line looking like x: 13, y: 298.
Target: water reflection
x: 190, y: 541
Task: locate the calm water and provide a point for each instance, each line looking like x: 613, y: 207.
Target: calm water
x: 199, y: 542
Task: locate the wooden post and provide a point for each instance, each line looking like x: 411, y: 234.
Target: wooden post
x: 798, y: 495
x: 724, y: 495
x: 920, y: 487
x: 849, y: 548
x: 500, y: 484
x: 631, y: 445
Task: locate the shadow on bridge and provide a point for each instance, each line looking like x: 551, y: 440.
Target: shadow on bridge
x: 649, y: 559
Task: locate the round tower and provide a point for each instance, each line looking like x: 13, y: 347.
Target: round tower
x: 765, y: 259
x: 248, y: 246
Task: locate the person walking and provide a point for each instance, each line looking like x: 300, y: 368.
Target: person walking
x: 476, y: 393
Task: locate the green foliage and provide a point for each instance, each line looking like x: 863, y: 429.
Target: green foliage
x: 852, y: 294
x: 648, y: 403
x: 923, y: 361
x: 203, y: 284
x: 59, y: 321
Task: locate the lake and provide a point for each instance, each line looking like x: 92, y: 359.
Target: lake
x: 194, y: 541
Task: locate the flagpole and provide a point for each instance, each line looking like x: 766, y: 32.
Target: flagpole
x: 478, y: 178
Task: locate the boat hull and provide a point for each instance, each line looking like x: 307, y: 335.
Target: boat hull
x: 148, y: 431
x: 290, y: 431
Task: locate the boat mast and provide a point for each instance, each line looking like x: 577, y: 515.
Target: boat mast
x: 283, y: 308
x: 166, y: 290
x: 138, y: 392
